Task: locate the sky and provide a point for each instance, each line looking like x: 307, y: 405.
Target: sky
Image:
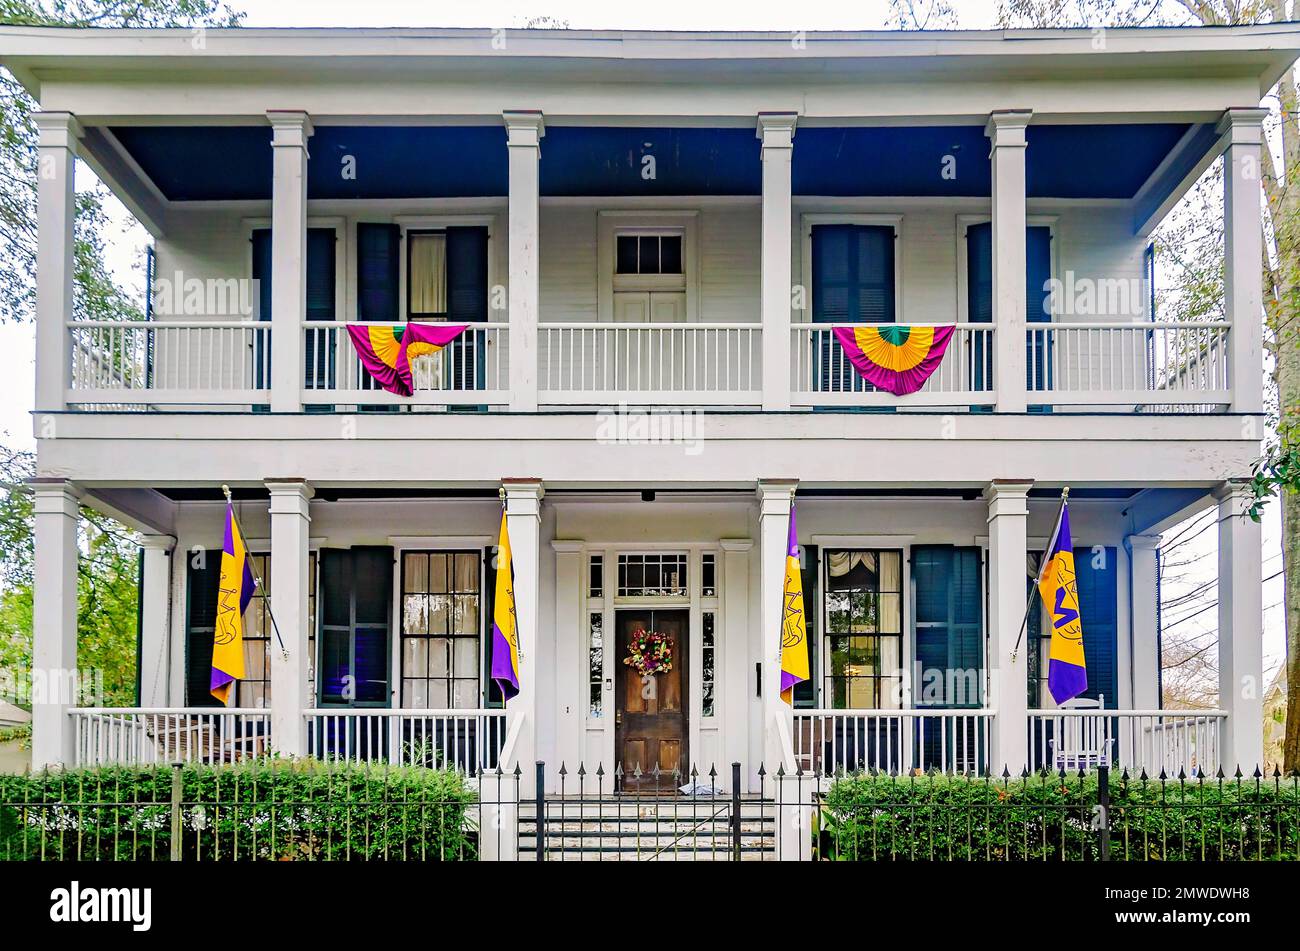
x: 128, y: 240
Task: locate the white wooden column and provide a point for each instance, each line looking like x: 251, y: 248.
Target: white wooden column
x: 290, y: 131
x: 1144, y: 618
x: 1241, y: 630
x: 774, y: 497
x: 524, y: 131
x: 56, y: 154
x: 524, y: 522
x: 155, y: 619
x: 776, y: 130
x: 1243, y: 244
x: 733, y: 683
x: 54, y: 622
x: 1006, y: 133
x: 1008, y: 502
x: 290, y: 549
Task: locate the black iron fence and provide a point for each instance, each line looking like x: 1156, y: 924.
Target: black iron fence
x: 274, y: 810
x: 1043, y: 816
x: 263, y: 810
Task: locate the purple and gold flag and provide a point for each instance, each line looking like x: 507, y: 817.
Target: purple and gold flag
x: 794, y: 625
x: 386, y: 351
x: 893, y: 358
x: 505, y: 632
x: 236, y: 590
x: 1067, y: 673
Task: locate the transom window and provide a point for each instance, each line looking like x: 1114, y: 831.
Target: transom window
x: 652, y: 575
x: 441, y: 629
x: 648, y: 254
x: 864, y: 629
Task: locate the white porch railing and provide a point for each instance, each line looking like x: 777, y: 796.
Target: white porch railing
x: 892, y: 741
x: 466, y: 740
x: 1136, y: 740
x: 1154, y: 364
x: 141, y: 735
x: 474, y: 369
x: 821, y: 374
x: 683, y: 364
x: 175, y: 362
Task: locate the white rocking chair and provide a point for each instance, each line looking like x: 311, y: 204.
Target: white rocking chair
x: 1082, y: 742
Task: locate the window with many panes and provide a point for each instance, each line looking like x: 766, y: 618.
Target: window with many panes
x: 259, y: 635
x: 441, y: 629
x: 652, y: 575
x: 864, y: 629
x: 596, y: 665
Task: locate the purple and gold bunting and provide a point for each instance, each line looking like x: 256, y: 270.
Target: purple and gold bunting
x: 386, y: 351
x: 894, y: 358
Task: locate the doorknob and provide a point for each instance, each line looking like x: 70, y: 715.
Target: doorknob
x: 618, y: 717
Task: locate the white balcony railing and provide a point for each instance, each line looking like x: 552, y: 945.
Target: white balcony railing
x: 474, y: 369
x: 122, y: 362
x: 676, y: 364
x: 821, y: 374
x: 1180, y: 367
x: 1143, y: 364
x: 827, y: 742
x: 141, y: 735
x: 1152, y: 740
x: 466, y: 740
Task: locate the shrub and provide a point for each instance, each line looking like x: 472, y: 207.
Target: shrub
x: 874, y: 817
x: 265, y: 810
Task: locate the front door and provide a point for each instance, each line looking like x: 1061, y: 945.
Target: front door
x: 650, y: 720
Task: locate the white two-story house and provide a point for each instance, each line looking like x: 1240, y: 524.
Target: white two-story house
x: 651, y: 237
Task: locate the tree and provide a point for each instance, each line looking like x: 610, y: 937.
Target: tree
x: 107, y: 568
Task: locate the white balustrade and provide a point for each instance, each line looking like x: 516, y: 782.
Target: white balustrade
x: 133, y: 736
x: 679, y: 364
x: 827, y: 742
x: 465, y: 740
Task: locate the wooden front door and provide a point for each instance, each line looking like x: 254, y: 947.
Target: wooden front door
x: 650, y: 719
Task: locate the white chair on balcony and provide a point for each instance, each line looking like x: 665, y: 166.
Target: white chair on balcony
x: 1082, y: 742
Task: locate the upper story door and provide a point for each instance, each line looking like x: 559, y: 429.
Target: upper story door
x: 649, y: 277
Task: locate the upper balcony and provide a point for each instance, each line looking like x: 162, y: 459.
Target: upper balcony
x: 680, y: 251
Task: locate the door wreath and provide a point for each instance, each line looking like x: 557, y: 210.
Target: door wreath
x: 649, y: 653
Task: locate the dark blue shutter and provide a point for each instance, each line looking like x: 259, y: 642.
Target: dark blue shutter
x: 853, y: 274
x: 805, y: 694
x: 356, y: 590
x: 1038, y: 347
x: 201, y: 587
x: 261, y: 241
x: 979, y: 306
x: 495, y: 699
x: 467, y: 302
x: 319, y: 357
x: 1098, y: 607
x: 852, y: 282
x: 949, y: 613
x: 378, y: 275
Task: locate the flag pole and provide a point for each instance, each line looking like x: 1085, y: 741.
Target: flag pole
x: 1033, y: 594
x: 257, y: 578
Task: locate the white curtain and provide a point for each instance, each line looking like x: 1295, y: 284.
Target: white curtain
x: 428, y: 253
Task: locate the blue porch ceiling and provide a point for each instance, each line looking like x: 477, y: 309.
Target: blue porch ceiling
x: 234, y: 162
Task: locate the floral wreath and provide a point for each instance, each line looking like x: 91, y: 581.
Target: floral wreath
x: 649, y: 653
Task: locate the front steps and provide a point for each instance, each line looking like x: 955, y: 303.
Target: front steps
x: 648, y: 829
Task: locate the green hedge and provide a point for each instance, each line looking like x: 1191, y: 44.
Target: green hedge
x: 1046, y: 817
x: 268, y: 810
